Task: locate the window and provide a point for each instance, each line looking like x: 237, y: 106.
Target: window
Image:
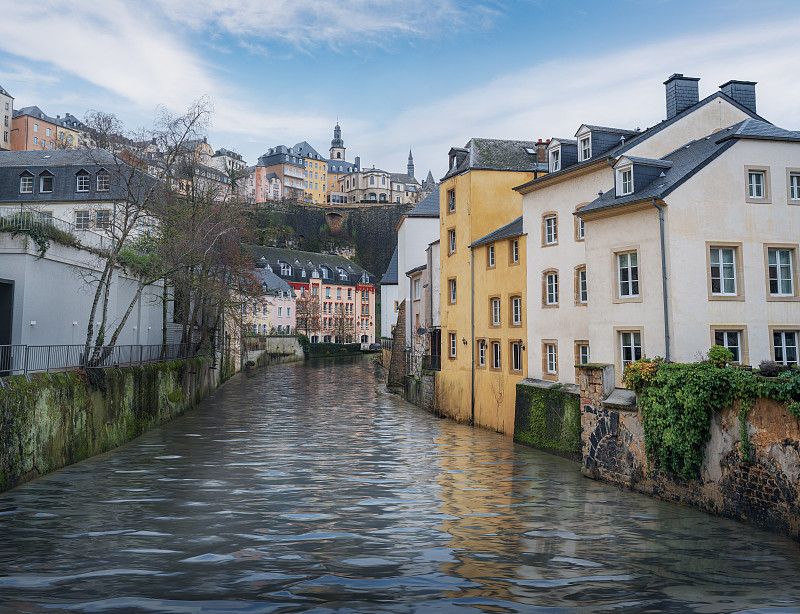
x: 582, y: 352
x: 494, y: 304
x: 516, y: 356
x: 82, y: 182
x: 452, y: 291
x: 624, y: 181
x: 550, y: 229
x: 551, y: 288
x: 453, y: 345
x: 26, y: 184
x: 364, y: 309
x: 780, y: 265
x: 495, y: 355
x: 102, y: 219
x: 103, y: 181
x: 723, y: 271
x: 794, y: 185
x: 730, y: 339
x: 416, y: 290
x: 755, y: 184
x: 264, y: 310
x: 349, y: 293
x: 555, y: 160
x: 339, y: 293
x: 516, y: 310
x: 481, y: 353
x: 83, y: 220
x: 36, y: 128
x: 286, y: 268
x: 784, y: 343
x: 46, y: 183
x: 579, y: 230
x: 490, y: 253
x: 550, y: 358
x: 628, y: 274
x: 327, y: 292
x: 585, y: 145
x: 630, y: 343
x: 47, y: 131
x: 451, y: 201
x: 452, y: 235
x: 280, y: 312
x: 36, y: 140
x: 515, y: 251
x: 581, y: 290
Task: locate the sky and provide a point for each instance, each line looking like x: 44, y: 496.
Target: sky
x: 421, y: 74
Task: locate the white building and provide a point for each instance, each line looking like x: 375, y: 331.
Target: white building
x: 389, y: 304
x: 6, y: 115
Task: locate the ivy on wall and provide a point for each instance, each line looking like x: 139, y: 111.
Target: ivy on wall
x: 548, y: 418
x: 677, y: 402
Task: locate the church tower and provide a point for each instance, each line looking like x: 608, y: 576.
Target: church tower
x: 410, y: 164
x: 337, y: 144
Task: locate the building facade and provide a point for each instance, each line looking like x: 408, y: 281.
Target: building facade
x: 32, y: 130
x: 274, y: 312
x: 6, y: 114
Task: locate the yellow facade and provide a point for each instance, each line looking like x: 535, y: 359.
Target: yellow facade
x: 484, y: 201
x: 316, y: 176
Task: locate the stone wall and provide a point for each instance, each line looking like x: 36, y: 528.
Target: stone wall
x: 420, y: 391
x: 53, y: 421
x: 764, y: 493
x: 275, y: 350
x: 548, y: 417
x: 397, y: 364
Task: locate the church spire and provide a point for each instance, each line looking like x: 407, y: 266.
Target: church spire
x: 410, y: 163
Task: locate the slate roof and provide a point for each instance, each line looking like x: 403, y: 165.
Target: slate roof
x: 4, y: 92
x: 404, y: 178
x: 649, y: 161
x: 762, y: 131
x: 514, y: 229
x: 416, y: 269
x: 271, y: 176
x: 273, y: 282
x: 640, y: 137
x: 63, y: 164
x: 390, y: 276
x: 500, y: 155
x: 305, y: 149
x: 428, y: 206
x: 610, y: 130
x: 686, y: 162
x: 300, y: 260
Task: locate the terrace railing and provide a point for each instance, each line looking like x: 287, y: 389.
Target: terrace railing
x: 25, y: 359
x: 25, y: 219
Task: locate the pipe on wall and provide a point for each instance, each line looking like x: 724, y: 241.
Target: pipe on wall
x: 663, y: 278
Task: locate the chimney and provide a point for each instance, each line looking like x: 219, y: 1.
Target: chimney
x: 743, y: 92
x: 541, y: 151
x: 682, y: 93
x: 358, y: 163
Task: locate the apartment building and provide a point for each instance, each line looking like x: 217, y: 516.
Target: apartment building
x: 32, y: 129
x: 275, y: 310
x: 6, y: 114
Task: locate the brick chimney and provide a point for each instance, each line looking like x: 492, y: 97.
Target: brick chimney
x: 743, y: 92
x: 541, y: 151
x: 682, y: 93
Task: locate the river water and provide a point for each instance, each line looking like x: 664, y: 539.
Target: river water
x: 308, y: 488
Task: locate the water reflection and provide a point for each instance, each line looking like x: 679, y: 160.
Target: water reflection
x: 307, y: 488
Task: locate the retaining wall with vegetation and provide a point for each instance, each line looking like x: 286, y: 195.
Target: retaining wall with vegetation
x: 548, y: 417
x: 54, y: 421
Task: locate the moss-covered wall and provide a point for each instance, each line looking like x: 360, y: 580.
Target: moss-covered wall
x: 54, y: 421
x: 548, y: 417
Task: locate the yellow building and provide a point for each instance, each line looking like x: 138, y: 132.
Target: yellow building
x: 475, y: 200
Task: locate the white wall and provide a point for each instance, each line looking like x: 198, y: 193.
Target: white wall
x: 413, y: 237
x: 388, y: 311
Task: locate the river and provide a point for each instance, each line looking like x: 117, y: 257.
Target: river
x: 308, y: 488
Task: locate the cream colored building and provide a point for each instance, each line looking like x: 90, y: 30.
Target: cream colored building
x: 6, y: 115
x: 595, y: 279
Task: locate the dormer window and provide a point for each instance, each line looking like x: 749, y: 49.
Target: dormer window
x: 624, y: 181
x: 286, y: 269
x: 585, y: 147
x: 45, y: 183
x: 103, y: 181
x: 82, y: 182
x: 26, y: 183
x: 555, y: 160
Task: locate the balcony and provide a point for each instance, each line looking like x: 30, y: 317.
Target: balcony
x: 432, y: 362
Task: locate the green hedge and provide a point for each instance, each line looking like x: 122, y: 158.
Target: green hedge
x: 548, y: 418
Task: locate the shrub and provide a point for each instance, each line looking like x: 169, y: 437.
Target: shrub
x: 720, y: 356
x: 769, y: 368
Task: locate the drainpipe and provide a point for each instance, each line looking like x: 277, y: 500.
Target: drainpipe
x: 472, y: 332
x: 663, y: 277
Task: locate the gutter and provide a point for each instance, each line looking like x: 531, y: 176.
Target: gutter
x: 663, y: 278
x: 472, y: 332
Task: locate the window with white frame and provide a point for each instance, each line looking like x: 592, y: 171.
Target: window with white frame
x: 451, y: 200
x: 516, y: 310
x: 583, y: 292
x: 286, y: 268
x: 491, y: 255
x: 103, y: 181
x: 82, y: 184
x: 756, y: 184
x: 45, y: 183
x: 780, y: 265
x: 481, y: 353
x: 582, y: 353
x: 339, y: 293
x: 453, y: 345
x: 515, y: 251
x: 551, y: 286
x: 555, y: 160
x: 580, y: 233
x: 452, y: 290
x: 327, y: 292
x: 452, y: 236
x: 516, y: 356
x: 83, y: 220
x: 628, y: 274
x: 730, y: 339
x: 550, y: 230
x: 26, y: 184
x: 102, y: 219
x: 495, y: 306
x: 264, y: 310
x: 551, y: 354
x: 416, y: 289
x: 723, y: 271
x: 630, y: 343
x: 495, y: 355
x: 624, y: 181
x: 794, y: 186
x: 585, y: 147
x: 784, y: 343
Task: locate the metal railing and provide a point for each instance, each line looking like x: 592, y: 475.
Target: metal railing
x: 25, y: 219
x: 432, y: 362
x: 387, y: 343
x: 25, y: 359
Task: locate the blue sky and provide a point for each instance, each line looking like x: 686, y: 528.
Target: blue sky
x: 425, y: 74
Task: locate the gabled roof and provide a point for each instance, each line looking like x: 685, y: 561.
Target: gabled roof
x: 299, y: 259
x: 416, y: 269
x: 428, y: 206
x: 390, y: 276
x: 762, y: 131
x: 640, y: 137
x: 648, y: 161
x: 273, y: 282
x: 592, y: 128
x: 496, y: 154
x: 514, y: 229
x: 306, y: 150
